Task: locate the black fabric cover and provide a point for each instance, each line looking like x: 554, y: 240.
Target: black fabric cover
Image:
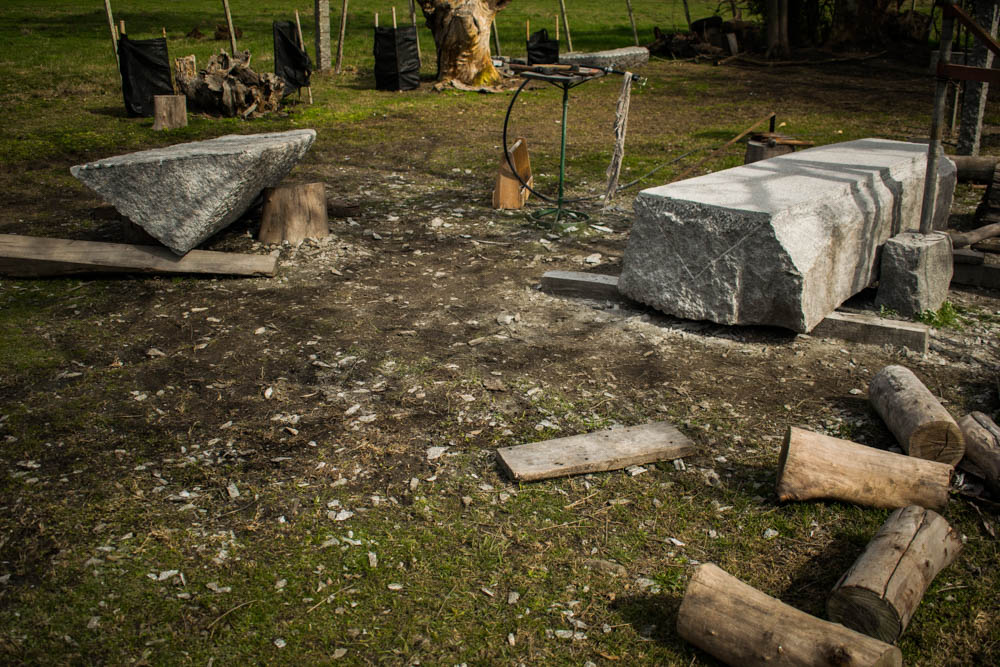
x: 397, y: 66
x: 145, y: 70
x: 291, y: 63
x: 541, y: 49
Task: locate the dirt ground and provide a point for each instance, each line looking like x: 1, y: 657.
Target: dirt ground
x: 418, y: 323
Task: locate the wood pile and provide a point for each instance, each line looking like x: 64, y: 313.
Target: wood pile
x: 228, y: 86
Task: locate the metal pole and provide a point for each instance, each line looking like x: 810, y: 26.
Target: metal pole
x: 229, y: 23
x: 934, y: 147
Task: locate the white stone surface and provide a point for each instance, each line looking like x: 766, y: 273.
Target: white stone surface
x: 185, y: 193
x: 778, y: 242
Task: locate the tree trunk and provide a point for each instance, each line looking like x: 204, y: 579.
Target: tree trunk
x: 883, y: 588
x: 739, y: 625
x: 293, y: 213
x: 777, y: 28
x: 169, y: 112
x: 982, y: 446
x: 461, y: 30
x: 814, y: 466
x: 920, y: 423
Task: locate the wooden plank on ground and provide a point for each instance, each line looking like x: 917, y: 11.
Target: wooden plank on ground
x: 595, y: 452
x: 984, y: 274
x: 582, y: 285
x: 35, y: 257
x: 872, y: 330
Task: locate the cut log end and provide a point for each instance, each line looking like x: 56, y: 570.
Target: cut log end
x: 862, y: 610
x: 938, y: 441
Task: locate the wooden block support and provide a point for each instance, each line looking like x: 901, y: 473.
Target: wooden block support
x: 813, y: 466
x: 293, y: 213
x: 33, y: 257
x: 508, y: 192
x: 882, y: 590
x: 982, y: 445
x: 595, y: 452
x: 743, y: 627
x: 582, y: 285
x: 873, y: 330
x: 920, y: 423
x: 169, y: 112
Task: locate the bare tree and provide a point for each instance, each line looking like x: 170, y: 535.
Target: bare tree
x: 461, y: 30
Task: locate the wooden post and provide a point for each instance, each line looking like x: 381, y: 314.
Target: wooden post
x: 982, y: 445
x: 293, y: 213
x: 631, y: 18
x: 229, y: 24
x: 302, y: 45
x: 569, y: 38
x: 340, y: 39
x: 496, y: 37
x: 557, y: 29
x: 111, y: 26
x: 413, y: 20
x: 169, y: 112
x: 920, y: 423
x: 812, y: 466
x: 121, y: 27
x: 321, y: 9
x: 739, y: 625
x: 394, y: 17
x: 882, y: 590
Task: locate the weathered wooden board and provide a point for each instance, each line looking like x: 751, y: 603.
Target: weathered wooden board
x: 595, y: 452
x: 582, y: 285
x: 873, y: 330
x: 35, y: 257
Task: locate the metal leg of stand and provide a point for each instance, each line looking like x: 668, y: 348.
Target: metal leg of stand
x: 559, y: 212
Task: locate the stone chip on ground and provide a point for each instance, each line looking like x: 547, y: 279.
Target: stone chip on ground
x: 183, y: 194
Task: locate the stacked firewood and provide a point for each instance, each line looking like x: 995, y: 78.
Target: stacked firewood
x: 228, y: 86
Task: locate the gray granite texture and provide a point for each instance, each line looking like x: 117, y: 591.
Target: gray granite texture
x: 915, y: 272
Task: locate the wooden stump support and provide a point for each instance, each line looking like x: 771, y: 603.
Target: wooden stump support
x: 813, y: 466
x: 169, y: 112
x: 293, y: 213
x: 739, y: 625
x: 508, y: 192
x: 918, y: 420
x: 880, y: 592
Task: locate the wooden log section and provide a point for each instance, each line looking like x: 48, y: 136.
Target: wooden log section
x: 920, y: 423
x: 169, y: 112
x: 293, y: 213
x: 813, y: 466
x: 974, y: 168
x: 743, y: 627
x: 982, y: 446
x: 963, y: 239
x: 880, y: 592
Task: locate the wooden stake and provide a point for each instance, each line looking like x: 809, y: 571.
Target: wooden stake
x: 376, y: 19
x: 557, y: 28
x: 121, y: 27
x: 687, y: 14
x: 496, y: 37
x: 631, y: 18
x: 982, y: 445
x: 111, y: 26
x: 293, y: 213
x: 164, y: 32
x: 562, y: 10
x: 229, y: 23
x: 340, y: 39
x: 920, y: 423
x: 882, y: 590
x: 413, y: 20
x: 813, y: 466
x: 739, y: 625
x: 527, y: 30
x: 394, y: 17
x: 302, y: 45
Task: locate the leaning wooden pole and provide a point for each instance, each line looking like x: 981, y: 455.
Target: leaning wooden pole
x: 413, y: 20
x: 496, y: 37
x: 882, y: 590
x: 982, y: 445
x: 111, y: 26
x: 920, y: 423
x: 631, y: 18
x: 229, y: 24
x: 739, y: 625
x: 340, y: 39
x: 302, y: 45
x: 813, y: 466
x: 565, y: 19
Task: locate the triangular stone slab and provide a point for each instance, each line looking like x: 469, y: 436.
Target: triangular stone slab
x: 185, y: 193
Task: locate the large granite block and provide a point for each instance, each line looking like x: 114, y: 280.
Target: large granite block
x: 778, y: 242
x: 183, y: 194
x: 627, y: 58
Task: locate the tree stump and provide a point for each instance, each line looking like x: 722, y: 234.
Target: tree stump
x: 813, y: 466
x: 293, y: 213
x: 882, y: 590
x: 982, y: 446
x: 739, y: 625
x: 920, y: 423
x: 169, y: 112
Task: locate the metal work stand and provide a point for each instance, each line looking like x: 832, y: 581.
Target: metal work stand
x: 564, y: 81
